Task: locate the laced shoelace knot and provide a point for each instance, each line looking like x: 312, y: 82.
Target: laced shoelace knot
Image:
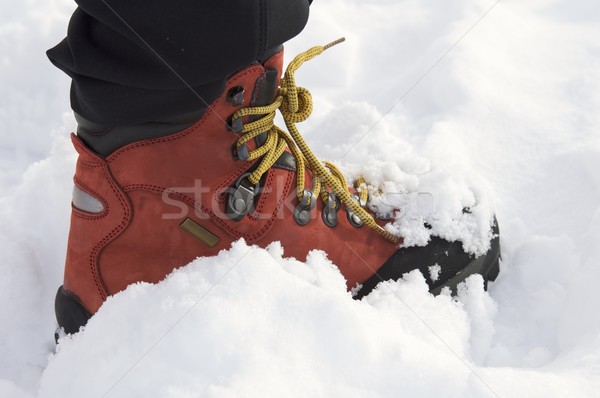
x: 328, y: 182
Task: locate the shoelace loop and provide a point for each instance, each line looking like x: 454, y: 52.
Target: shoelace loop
x: 295, y: 105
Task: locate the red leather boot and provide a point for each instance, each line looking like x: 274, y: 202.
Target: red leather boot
x: 156, y: 204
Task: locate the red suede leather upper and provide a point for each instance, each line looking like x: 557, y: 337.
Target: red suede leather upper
x: 150, y: 187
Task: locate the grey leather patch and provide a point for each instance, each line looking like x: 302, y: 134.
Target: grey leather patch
x: 86, y: 202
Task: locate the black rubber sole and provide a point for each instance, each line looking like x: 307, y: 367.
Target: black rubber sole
x: 70, y: 314
x: 455, y: 264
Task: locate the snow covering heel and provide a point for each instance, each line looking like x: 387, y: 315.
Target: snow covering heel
x: 70, y: 314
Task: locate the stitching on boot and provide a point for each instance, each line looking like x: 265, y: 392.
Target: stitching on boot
x: 94, y: 258
x: 224, y: 224
x: 271, y: 221
x: 210, y: 110
x: 159, y: 190
x: 263, y: 198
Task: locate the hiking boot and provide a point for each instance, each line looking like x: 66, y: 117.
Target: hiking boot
x: 152, y: 198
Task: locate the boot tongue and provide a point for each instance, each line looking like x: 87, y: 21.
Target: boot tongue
x: 266, y: 87
x: 265, y: 90
x: 264, y: 94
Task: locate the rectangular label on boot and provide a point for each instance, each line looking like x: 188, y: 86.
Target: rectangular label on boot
x: 200, y: 232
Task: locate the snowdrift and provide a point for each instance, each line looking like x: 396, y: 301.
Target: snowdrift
x: 436, y: 106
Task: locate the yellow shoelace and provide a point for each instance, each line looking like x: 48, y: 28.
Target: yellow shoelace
x: 295, y: 105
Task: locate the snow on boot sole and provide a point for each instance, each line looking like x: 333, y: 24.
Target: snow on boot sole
x: 455, y: 265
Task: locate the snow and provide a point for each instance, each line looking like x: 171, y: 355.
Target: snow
x: 505, y: 123
x: 434, y: 272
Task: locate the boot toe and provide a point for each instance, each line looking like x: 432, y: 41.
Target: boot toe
x: 442, y: 263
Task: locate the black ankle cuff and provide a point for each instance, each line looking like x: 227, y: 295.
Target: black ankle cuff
x: 105, y: 140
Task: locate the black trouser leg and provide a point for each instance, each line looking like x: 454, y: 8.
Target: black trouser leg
x: 138, y: 61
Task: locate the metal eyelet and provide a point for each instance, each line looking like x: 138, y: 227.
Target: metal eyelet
x: 304, y: 208
x: 236, y: 125
x: 241, y: 198
x: 330, y: 210
x: 235, y: 95
x: 240, y: 153
x: 353, y: 218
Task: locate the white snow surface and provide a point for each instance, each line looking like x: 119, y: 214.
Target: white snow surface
x: 440, y: 106
x: 434, y: 272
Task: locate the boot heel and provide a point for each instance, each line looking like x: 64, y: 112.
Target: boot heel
x: 70, y: 314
